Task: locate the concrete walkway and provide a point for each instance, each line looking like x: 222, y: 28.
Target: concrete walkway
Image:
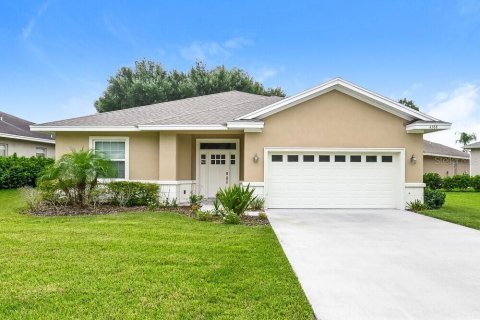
x: 382, y: 264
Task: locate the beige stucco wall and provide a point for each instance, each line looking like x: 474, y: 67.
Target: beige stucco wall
x: 445, y: 166
x: 144, y: 146
x: 330, y: 121
x: 26, y: 148
x: 165, y: 156
x: 475, y: 158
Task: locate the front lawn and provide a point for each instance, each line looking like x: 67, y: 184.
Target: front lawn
x: 141, y: 266
x: 460, y: 208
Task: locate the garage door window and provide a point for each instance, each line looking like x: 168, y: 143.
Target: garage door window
x: 340, y: 158
x: 308, y: 158
x: 371, y: 158
x: 387, y: 159
x: 277, y: 158
x: 355, y: 158
x: 323, y: 158
x: 292, y: 158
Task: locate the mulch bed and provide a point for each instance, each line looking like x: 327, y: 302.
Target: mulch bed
x: 110, y: 209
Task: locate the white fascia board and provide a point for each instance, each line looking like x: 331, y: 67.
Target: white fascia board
x: 445, y: 156
x: 180, y: 127
x: 17, y: 137
x: 347, y: 88
x: 84, y: 128
x: 426, y: 127
x: 246, y: 126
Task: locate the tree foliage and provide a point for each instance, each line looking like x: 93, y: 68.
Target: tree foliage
x: 409, y: 103
x: 150, y: 83
x: 466, y: 138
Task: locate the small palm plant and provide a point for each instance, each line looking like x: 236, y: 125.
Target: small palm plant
x: 76, y: 174
x: 236, y: 198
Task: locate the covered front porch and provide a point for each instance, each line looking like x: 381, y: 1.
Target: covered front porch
x: 200, y: 163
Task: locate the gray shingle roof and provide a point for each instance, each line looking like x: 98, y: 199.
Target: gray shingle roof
x: 19, y: 127
x: 213, y: 109
x: 440, y: 149
x: 475, y: 145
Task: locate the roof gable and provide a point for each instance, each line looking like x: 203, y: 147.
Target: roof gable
x: 346, y: 88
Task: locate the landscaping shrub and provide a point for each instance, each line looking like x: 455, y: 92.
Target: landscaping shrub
x: 448, y: 184
x: 475, y: 183
x: 257, y: 204
x: 217, y: 208
x: 76, y: 175
x: 461, y: 181
x: 129, y: 194
x: 416, y: 206
x: 204, y: 215
x: 16, y: 172
x: 236, y: 198
x: 434, y: 199
x: 231, y: 217
x: 262, y: 216
x: 195, y: 201
x: 432, y: 180
x: 32, y: 197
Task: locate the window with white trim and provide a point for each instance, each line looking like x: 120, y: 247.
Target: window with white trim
x: 3, y: 149
x: 115, y: 151
x: 40, y: 152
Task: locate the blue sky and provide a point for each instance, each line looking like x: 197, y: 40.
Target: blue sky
x: 57, y: 55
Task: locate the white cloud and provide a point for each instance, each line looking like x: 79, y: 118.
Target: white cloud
x: 461, y: 106
x: 28, y: 28
x: 264, y: 73
x: 205, y: 50
x: 236, y: 43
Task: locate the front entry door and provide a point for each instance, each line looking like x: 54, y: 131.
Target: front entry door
x: 218, y: 166
x: 218, y: 171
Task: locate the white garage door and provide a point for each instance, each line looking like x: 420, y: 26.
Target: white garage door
x: 333, y: 180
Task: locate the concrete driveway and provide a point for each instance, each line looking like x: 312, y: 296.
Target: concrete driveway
x: 382, y: 264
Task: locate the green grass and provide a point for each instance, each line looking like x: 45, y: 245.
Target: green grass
x: 460, y: 208
x: 141, y: 266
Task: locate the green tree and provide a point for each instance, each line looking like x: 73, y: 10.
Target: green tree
x: 409, y: 103
x: 466, y: 138
x: 150, y: 83
x: 76, y: 174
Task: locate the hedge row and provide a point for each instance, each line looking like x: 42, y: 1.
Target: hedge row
x: 458, y: 182
x: 16, y: 172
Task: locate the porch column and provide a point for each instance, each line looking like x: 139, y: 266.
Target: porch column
x: 167, y: 157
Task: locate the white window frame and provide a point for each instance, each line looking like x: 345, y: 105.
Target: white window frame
x: 126, y: 140
x: 6, y: 149
x: 44, y: 151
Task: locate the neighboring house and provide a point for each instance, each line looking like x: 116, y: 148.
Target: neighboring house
x: 474, y: 158
x: 336, y: 145
x: 444, y: 160
x: 17, y: 138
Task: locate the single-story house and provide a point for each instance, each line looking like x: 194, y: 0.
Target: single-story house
x: 474, y: 158
x: 444, y: 160
x: 336, y: 145
x: 17, y: 138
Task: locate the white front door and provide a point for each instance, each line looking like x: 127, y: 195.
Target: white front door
x: 218, y: 167
x: 218, y: 171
